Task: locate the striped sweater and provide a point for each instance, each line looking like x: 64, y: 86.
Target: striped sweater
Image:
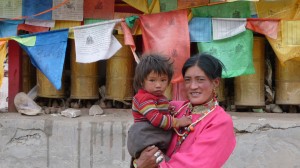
x: 148, y: 107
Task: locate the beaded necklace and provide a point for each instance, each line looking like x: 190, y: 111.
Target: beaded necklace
x: 203, y: 110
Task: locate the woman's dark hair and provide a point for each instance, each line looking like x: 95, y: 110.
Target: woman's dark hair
x: 152, y: 62
x: 211, y: 66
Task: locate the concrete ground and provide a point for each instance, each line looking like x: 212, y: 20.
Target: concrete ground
x: 264, y: 140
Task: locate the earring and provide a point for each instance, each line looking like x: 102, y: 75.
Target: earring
x: 214, y: 94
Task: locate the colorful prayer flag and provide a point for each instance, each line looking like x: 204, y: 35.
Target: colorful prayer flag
x: 32, y: 7
x: 48, y: 54
x: 277, y: 9
x: 290, y: 32
x: 183, y: 4
x: 227, y: 27
x: 167, y: 33
x: 9, y: 28
x: 235, y: 53
x: 200, y: 29
x: 99, y: 9
x: 268, y: 27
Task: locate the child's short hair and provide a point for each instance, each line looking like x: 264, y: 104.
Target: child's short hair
x: 152, y: 62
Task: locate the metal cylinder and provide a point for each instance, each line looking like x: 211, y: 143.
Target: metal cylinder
x: 119, y: 73
x: 46, y: 89
x: 84, y: 78
x: 28, y: 73
x: 287, y: 81
x: 249, y: 89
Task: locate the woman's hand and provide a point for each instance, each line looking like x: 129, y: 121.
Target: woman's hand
x: 147, y: 158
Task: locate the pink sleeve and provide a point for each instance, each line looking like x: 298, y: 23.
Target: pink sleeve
x: 210, y: 149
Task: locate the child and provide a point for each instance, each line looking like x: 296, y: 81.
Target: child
x: 153, y: 122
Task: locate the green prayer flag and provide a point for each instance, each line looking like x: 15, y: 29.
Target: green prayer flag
x: 26, y: 41
x: 92, y: 21
x: 131, y: 20
x: 239, y: 9
x: 235, y: 53
x: 167, y: 5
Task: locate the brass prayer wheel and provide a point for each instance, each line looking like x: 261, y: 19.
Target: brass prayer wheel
x: 119, y: 73
x: 84, y: 78
x: 46, y: 89
x: 287, y: 81
x: 249, y: 89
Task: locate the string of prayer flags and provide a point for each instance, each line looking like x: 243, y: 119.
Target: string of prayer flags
x: 200, y: 29
x: 95, y: 42
x: 235, y: 53
x: 167, y: 33
x: 98, y: 9
x: 48, y: 54
x: 32, y: 7
x: 239, y: 9
x: 268, y: 27
x: 227, y: 27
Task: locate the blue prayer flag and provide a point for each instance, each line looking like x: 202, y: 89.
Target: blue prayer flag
x: 9, y: 28
x: 48, y: 54
x: 32, y: 7
x: 200, y: 29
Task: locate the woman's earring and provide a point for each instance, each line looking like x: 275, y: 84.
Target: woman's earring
x: 214, y: 94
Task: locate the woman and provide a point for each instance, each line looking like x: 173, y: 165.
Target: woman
x: 209, y: 140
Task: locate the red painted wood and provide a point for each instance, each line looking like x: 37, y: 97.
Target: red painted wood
x: 14, y: 73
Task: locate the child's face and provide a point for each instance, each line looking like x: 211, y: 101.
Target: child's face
x: 156, y: 84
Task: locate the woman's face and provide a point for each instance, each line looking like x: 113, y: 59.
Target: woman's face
x: 198, y: 86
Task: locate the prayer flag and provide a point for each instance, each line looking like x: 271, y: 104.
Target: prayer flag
x: 200, y: 29
x: 167, y: 5
x: 95, y: 42
x: 32, y: 7
x: 26, y: 41
x: 3, y: 53
x: 227, y: 27
x: 10, y: 8
x: 9, y: 28
x: 224, y: 10
x: 99, y: 9
x: 277, y: 9
x: 128, y: 40
x: 42, y: 23
x: 32, y: 29
x: 167, y: 33
x: 183, y: 4
x: 141, y: 5
x: 72, y: 10
x: 48, y: 54
x: 290, y: 32
x: 235, y: 53
x: 268, y: 27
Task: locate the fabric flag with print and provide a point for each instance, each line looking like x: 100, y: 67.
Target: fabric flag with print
x: 183, y: 4
x: 290, y: 32
x: 3, y: 52
x: 128, y: 40
x: 48, y: 54
x: 32, y: 29
x: 167, y: 5
x: 268, y: 27
x: 9, y: 28
x: 237, y: 9
x: 96, y: 42
x: 235, y: 53
x: 277, y: 9
x: 99, y: 9
x: 167, y: 33
x: 200, y: 29
x: 32, y: 7
x: 42, y: 23
x: 227, y: 27
x: 26, y: 41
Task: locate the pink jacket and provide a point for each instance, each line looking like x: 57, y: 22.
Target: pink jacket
x: 208, y: 146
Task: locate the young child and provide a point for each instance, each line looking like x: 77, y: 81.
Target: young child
x: 153, y: 122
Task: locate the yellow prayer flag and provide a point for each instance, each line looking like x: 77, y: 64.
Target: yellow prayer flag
x: 276, y: 9
x: 141, y: 5
x: 3, y: 52
x: 290, y: 32
x: 282, y: 52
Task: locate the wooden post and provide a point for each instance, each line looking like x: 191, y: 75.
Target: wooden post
x: 14, y: 73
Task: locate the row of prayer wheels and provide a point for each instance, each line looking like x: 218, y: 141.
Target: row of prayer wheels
x: 248, y: 89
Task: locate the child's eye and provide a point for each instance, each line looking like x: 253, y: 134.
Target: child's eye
x: 187, y: 79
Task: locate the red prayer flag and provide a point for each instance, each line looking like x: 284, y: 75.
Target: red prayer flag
x: 99, y: 9
x: 167, y: 33
x: 268, y: 27
x: 32, y: 29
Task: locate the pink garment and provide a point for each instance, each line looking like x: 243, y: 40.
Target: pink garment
x: 208, y: 146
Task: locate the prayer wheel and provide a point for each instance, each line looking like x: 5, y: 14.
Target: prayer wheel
x: 28, y: 73
x: 119, y: 73
x: 249, y: 89
x: 84, y: 78
x: 46, y: 89
x: 220, y: 91
x: 287, y: 81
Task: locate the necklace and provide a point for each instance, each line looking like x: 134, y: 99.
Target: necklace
x: 203, y: 110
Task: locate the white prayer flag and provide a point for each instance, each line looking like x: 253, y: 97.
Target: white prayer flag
x: 95, y: 42
x: 228, y: 27
x: 43, y: 23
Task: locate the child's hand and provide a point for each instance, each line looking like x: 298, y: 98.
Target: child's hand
x: 172, y: 110
x: 184, y: 121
